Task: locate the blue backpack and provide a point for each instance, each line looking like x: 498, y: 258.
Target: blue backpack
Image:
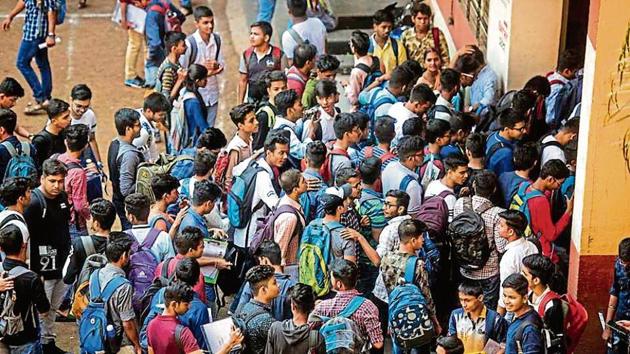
x: 340, y: 332
x: 373, y: 72
x: 93, y: 324
x: 316, y: 254
x: 241, y: 196
x: 310, y: 200
x: 409, y: 318
x: 21, y: 163
x: 376, y: 101
x: 142, y: 265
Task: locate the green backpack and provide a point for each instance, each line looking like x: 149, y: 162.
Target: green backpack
x: 147, y: 170
x: 316, y: 254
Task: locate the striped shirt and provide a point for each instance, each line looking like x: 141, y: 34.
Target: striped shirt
x: 36, y: 20
x: 376, y: 152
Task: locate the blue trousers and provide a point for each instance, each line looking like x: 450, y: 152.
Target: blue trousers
x: 28, y: 50
x: 265, y: 10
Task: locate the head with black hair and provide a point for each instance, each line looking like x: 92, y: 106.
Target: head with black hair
x: 212, y: 139
x: 346, y: 128
x: 164, y: 187
x: 12, y: 242
x: 196, y: 78
x: 177, y: 298
x: 202, y: 11
x: 513, y: 124
x: 327, y: 95
x: 16, y: 192
x: 276, y: 148
x: 297, y: 8
x: 263, y: 283
x: 552, y: 175
x: 370, y: 169
x: 512, y: 224
x: 396, y: 203
x: 468, y: 67
x: 156, y: 107
x: 413, y: 126
x: 332, y: 205
x: 382, y: 23
x: 461, y: 126
x: 352, y: 177
x: 260, y: 33
x: 421, y: 16
x: 624, y: 250
x: 327, y: 66
x: 244, y: 117
x: 8, y: 121
x: 359, y: 43
x: 414, y: 70
x: 438, y: 132
x: 275, y: 82
x: 304, y: 56
x: 80, y: 100
x: 315, y: 154
x: 127, y: 122
x: 470, y: 297
x: 449, y: 83
x: 53, y: 176
x: 523, y: 101
x: 292, y: 182
x: 138, y: 207
x: 344, y: 274
x: 485, y: 184
x: 411, y: 151
x: 10, y: 92
x: 568, y: 131
x: 569, y: 62
x: 103, y: 215
x: 204, y: 163
x: 187, y: 271
x: 189, y: 242
x: 449, y: 345
x: 302, y: 299
x: 475, y: 146
x: 205, y: 195
x: 175, y: 42
x: 515, y: 294
x: 77, y: 137
x: 539, y: 85
x: 385, y: 130
x: 411, y: 232
x: 289, y: 105
x: 58, y: 113
x: 269, y: 253
x: 420, y: 99
x: 363, y: 121
x: 538, y: 270
x: 399, y: 80
x: 118, y: 248
x: 525, y: 156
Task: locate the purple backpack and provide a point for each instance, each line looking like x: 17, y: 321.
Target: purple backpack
x: 264, y: 229
x: 142, y: 265
x: 434, y: 213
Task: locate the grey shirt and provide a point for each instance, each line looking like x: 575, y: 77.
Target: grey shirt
x: 340, y: 246
x: 119, y: 306
x: 130, y: 157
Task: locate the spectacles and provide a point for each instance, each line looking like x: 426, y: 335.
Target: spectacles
x: 521, y: 129
x: 468, y: 75
x: 388, y: 204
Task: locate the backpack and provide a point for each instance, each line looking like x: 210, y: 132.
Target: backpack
x: 276, y: 55
x: 241, y: 321
x: 241, y: 196
x: 567, y: 98
x: 21, y: 164
x: 542, y: 146
x: 468, y: 239
x: 404, y: 183
x: 434, y: 213
x: 265, y: 228
x: 520, y: 202
x: 220, y: 169
x: 149, y: 309
x: 315, y: 255
x: 296, y: 36
x: 373, y: 105
x: 93, y: 324
x: 93, y: 262
x: 172, y: 20
x: 192, y: 43
x: 409, y: 319
x: 432, y: 169
x: 575, y: 320
x: 142, y: 264
x: 369, y: 152
x: 160, y: 73
x: 493, y: 149
x: 438, y: 108
x: 326, y: 171
x: 178, y: 133
x: 11, y: 322
x: 518, y: 334
x: 373, y: 72
x: 394, y: 44
x: 310, y: 200
x: 147, y: 170
x: 340, y: 332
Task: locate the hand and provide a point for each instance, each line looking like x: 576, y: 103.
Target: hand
x: 6, y: 24
x: 138, y: 350
x: 50, y: 41
x: 606, y: 335
x: 438, y: 328
x: 221, y: 263
x: 236, y: 337
x: 351, y: 234
x: 183, y: 204
x: 365, y: 221
x: 180, y: 216
x: 464, y: 192
x: 181, y: 74
x: 570, y: 205
x: 624, y: 323
x: 313, y: 184
x: 124, y: 24
x: 6, y: 283
x: 216, y: 71
x: 219, y: 233
x: 344, y: 83
x: 467, y: 49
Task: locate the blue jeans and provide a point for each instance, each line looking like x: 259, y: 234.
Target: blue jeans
x: 265, y: 10
x: 212, y: 114
x: 75, y: 231
x: 396, y: 349
x: 119, y: 205
x: 28, y: 348
x: 152, y: 64
x: 27, y: 51
x: 211, y: 299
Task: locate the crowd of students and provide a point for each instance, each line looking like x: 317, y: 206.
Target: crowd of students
x: 435, y: 205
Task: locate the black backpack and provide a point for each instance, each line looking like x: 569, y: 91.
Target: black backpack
x: 469, y: 243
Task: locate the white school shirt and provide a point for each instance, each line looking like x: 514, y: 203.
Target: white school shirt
x: 205, y: 51
x: 512, y: 260
x: 311, y: 30
x: 88, y: 118
x: 146, y: 141
x: 401, y: 114
x: 392, y: 178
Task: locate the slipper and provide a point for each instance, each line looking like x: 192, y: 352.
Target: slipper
x: 82, y: 4
x: 34, y: 109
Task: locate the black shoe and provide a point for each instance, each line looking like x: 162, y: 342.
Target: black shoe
x: 52, y: 348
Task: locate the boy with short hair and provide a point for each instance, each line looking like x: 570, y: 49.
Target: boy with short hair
x: 240, y: 147
x: 138, y: 206
x: 8, y: 123
x: 81, y: 113
x: 10, y: 92
x: 364, y: 65
x: 438, y: 135
x: 384, y: 131
x: 256, y: 314
x: 500, y: 145
x: 290, y: 110
x: 525, y: 158
x: 461, y: 126
x: 396, y: 86
x: 401, y: 175
x: 50, y: 140
x: 15, y: 195
x: 304, y: 56
x: 568, y: 65
x: 618, y: 308
x: 347, y: 132
x: 524, y: 331
x: 170, y: 75
x: 259, y: 58
x: 275, y: 82
x: 154, y: 111
x: 475, y: 323
x: 552, y: 145
x: 321, y: 118
x: 203, y: 169
x: 315, y: 156
x: 288, y: 226
x: 208, y: 54
x: 304, y: 29
x: 390, y: 52
x: 449, y: 87
x: 325, y: 69
x: 474, y: 152
x: 154, y: 33
x: 456, y: 168
x: 420, y: 101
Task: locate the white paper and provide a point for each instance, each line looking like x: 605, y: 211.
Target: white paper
x: 218, y: 333
x: 492, y: 347
x: 135, y: 17
x: 213, y: 248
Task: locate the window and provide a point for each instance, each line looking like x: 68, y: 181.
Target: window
x: 476, y: 12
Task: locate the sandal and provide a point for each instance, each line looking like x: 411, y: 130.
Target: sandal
x: 82, y: 4
x: 34, y: 109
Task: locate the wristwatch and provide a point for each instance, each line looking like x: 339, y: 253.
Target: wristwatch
x: 51, y: 34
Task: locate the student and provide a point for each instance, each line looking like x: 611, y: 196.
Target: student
x: 334, y: 205
x: 344, y: 275
x: 290, y: 110
x: 30, y: 299
x: 525, y: 159
x: 155, y: 110
x: 552, y: 175
x: 81, y: 113
x: 123, y: 159
x: 401, y: 175
x: 347, y: 132
x: 209, y: 55
x: 259, y: 58
x: 10, y: 92
x: 423, y: 36
x: 303, y: 60
x: 393, y: 265
x: 413, y: 126
x: 103, y: 216
x: 8, y: 122
x: 303, y: 29
x: 449, y: 345
x: 195, y: 111
x: 275, y: 82
x: 170, y: 75
x: 256, y: 314
x: 396, y: 86
x: 15, y: 196
x: 240, y: 147
x: 50, y: 140
x: 204, y: 197
x: 49, y: 246
x: 325, y: 69
x: 269, y: 254
x: 552, y: 145
x: 322, y: 116
x: 456, y: 168
x: 500, y: 145
x: 364, y: 65
x: 120, y: 309
x: 310, y: 201
x: 449, y: 87
x: 618, y: 308
x: 523, y: 333
x: 384, y: 130
x: 211, y: 140
x: 266, y: 190
x: 467, y: 65
x: 568, y: 65
x: 294, y: 335
x: 420, y: 100
x: 165, y: 190
x: 484, y: 187
x: 288, y: 226
x: 512, y: 224
x: 474, y: 148
x: 438, y: 135
x: 203, y: 169
x: 390, y: 51
x: 76, y: 181
x: 461, y: 126
x: 135, y: 44
x: 137, y: 206
x: 484, y: 90
x: 154, y: 33
x: 433, y: 64
x: 476, y: 323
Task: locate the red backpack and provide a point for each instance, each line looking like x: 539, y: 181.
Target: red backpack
x: 326, y: 170
x: 369, y: 152
x: 575, y: 318
x: 220, y: 170
x: 276, y: 54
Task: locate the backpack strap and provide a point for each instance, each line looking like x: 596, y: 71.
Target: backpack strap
x: 296, y: 36
x: 364, y: 68
x: 112, y: 286
x: 26, y: 148
x: 151, y: 237
x: 18, y: 271
x: 436, y: 39
x: 88, y: 245
x: 550, y: 295
x: 10, y: 148
x: 11, y: 217
x: 179, y: 329
x: 410, y: 269
x: 518, y: 334
x: 445, y: 194
x: 493, y: 149
x: 165, y: 264
x: 296, y: 77
x: 193, y: 50
x: 41, y: 200
x: 247, y: 55
x: 217, y: 40
x: 404, y: 184
x: 394, y: 43
x: 491, y: 318
x: 352, y: 306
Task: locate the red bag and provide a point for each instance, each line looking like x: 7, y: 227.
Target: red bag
x: 575, y: 319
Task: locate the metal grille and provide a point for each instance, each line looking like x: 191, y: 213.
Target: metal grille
x: 476, y: 12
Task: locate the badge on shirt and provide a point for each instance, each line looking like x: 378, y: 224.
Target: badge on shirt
x: 63, y: 206
x: 270, y: 63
